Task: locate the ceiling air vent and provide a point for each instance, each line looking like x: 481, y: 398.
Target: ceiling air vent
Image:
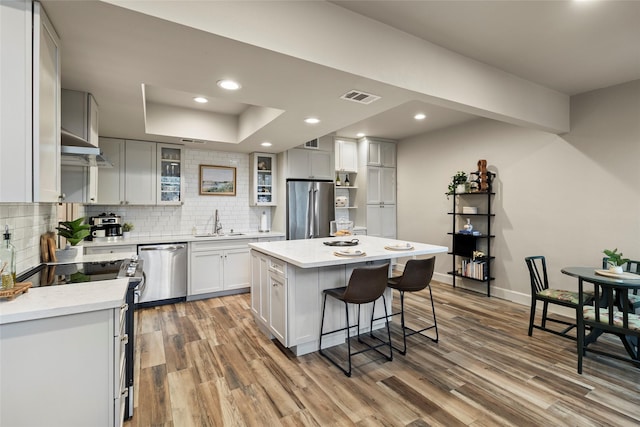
x: 192, y: 141
x: 360, y: 97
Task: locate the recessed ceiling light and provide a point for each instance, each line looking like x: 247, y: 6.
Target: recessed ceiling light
x: 201, y: 99
x: 420, y: 116
x: 228, y: 84
x: 266, y: 144
x: 311, y: 120
x: 360, y: 134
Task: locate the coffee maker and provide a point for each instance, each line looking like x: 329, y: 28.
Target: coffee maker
x: 106, y: 227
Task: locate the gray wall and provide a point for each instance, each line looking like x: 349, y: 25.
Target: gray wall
x: 567, y: 196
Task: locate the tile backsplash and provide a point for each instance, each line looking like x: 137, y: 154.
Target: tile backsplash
x: 196, y: 211
x: 27, y: 221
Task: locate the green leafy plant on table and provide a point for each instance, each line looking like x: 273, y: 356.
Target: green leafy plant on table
x: 127, y: 226
x: 615, y: 259
x: 74, y: 231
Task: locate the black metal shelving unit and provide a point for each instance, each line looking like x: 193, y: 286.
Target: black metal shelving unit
x: 482, y: 241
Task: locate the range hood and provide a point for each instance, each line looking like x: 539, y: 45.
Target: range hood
x: 75, y: 155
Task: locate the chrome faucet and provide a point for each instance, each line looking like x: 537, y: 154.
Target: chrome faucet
x: 217, y: 225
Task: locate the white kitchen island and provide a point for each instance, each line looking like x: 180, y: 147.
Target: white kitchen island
x: 288, y: 277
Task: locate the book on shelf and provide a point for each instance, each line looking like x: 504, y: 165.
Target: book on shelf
x: 474, y: 269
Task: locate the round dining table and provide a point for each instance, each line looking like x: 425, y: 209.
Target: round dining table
x: 598, y: 276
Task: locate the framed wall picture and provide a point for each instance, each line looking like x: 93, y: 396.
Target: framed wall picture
x: 217, y: 180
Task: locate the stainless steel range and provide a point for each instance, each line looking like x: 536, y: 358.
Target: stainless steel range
x: 90, y: 272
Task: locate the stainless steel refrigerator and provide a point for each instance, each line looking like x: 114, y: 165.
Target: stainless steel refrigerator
x: 310, y: 208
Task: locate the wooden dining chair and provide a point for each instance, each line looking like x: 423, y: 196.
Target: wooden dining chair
x: 610, y: 314
x: 540, y: 291
x: 629, y: 267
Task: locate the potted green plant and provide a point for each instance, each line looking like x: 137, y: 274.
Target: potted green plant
x: 615, y: 260
x: 74, y: 231
x: 126, y: 229
x: 458, y: 183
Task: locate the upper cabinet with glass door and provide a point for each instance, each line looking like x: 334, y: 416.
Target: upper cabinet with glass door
x: 170, y: 185
x: 262, y: 179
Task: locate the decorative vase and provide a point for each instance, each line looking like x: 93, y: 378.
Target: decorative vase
x: 461, y: 188
x: 126, y: 234
x: 616, y: 269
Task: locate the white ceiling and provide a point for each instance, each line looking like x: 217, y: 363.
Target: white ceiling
x: 568, y: 46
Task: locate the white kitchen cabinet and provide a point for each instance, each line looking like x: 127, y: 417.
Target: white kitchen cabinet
x: 378, y: 188
x: 111, y: 249
x: 73, y: 366
x: 380, y: 152
x: 381, y: 185
x: 309, y: 164
x: 79, y: 184
x: 111, y: 180
x: 80, y: 115
x: 16, y: 125
x: 269, y: 295
x: 381, y: 221
x: 46, y: 111
x: 278, y: 304
x: 205, y: 272
x: 140, y: 173
x: 132, y: 180
x: 260, y: 287
x: 262, y: 179
x: 289, y: 303
x: 170, y: 184
x: 216, y: 266
x: 346, y: 153
x: 30, y: 105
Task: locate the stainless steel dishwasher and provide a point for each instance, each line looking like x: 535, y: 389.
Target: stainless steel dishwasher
x: 165, y: 269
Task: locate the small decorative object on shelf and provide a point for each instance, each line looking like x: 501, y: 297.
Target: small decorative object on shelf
x: 458, y: 183
x: 338, y: 183
x: 468, y: 227
x: 482, y: 182
x: 346, y: 180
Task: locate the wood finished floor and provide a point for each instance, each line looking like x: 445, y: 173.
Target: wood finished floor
x: 205, y: 363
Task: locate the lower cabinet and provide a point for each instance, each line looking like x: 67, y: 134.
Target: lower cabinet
x: 269, y: 294
x: 111, y: 249
x: 277, y: 284
x: 65, y: 370
x: 218, y: 266
x: 381, y: 220
x: 287, y: 302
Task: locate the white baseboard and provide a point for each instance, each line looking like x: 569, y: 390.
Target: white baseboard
x: 505, y: 294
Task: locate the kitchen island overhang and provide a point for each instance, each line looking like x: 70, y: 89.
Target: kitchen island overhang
x: 288, y: 277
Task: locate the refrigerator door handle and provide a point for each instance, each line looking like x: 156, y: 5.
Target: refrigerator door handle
x: 316, y: 213
x: 310, y: 230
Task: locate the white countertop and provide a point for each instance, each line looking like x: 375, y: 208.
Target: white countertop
x: 313, y: 253
x: 51, y: 301
x: 146, y: 240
